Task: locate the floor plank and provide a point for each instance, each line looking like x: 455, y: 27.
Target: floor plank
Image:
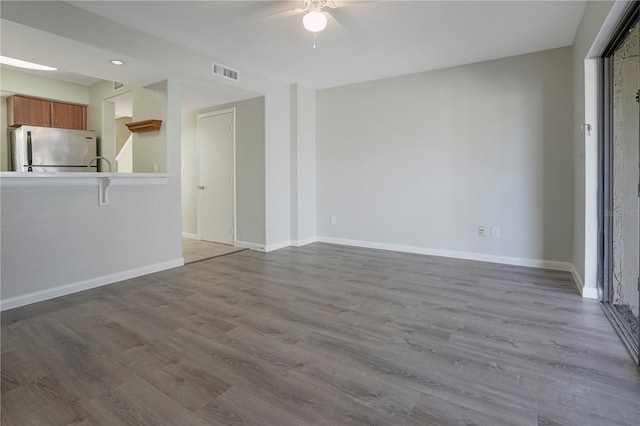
x: 197, y: 250
x: 320, y: 335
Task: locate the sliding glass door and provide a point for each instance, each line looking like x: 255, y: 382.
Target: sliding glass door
x: 621, y: 182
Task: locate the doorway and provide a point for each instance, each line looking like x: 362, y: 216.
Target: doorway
x: 123, y: 143
x: 619, y: 286
x: 216, y: 198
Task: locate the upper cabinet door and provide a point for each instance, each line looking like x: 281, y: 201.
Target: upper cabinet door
x: 68, y: 116
x: 28, y: 111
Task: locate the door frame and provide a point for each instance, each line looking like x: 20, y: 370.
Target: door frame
x: 605, y: 170
x: 232, y: 111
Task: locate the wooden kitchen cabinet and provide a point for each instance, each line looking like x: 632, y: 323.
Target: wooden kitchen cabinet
x: 28, y: 111
x: 68, y: 116
x: 23, y: 110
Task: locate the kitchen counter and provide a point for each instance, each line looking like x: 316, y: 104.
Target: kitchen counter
x: 58, y: 176
x: 102, y: 180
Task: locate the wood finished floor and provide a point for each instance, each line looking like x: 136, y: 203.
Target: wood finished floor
x: 197, y: 250
x: 320, y: 335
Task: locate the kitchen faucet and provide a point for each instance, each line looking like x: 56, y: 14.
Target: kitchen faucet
x: 97, y: 159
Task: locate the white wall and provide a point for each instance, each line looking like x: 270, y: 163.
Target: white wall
x: 277, y: 168
x: 422, y: 160
x: 250, y: 170
x: 172, y: 128
x: 122, y: 132
x: 159, y: 236
x: 303, y: 164
x: 149, y: 148
x: 57, y: 240
x: 54, y: 237
x: 65, y: 20
x: 101, y: 118
x: 4, y: 144
x: 124, y: 159
x: 41, y: 87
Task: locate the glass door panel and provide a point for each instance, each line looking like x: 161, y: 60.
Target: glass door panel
x: 624, y: 173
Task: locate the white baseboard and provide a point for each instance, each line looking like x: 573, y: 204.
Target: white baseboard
x: 252, y: 246
x: 300, y: 243
x: 590, y: 293
x: 586, y: 292
x: 277, y: 246
x: 507, y: 260
x: 190, y: 236
x: 50, y: 293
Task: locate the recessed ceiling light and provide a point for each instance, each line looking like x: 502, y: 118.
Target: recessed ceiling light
x: 117, y: 62
x: 24, y: 64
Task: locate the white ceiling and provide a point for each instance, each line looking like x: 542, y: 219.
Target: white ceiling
x: 84, y: 64
x: 377, y: 39
x: 70, y: 77
x: 374, y: 39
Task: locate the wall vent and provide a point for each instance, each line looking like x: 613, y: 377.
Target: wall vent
x: 225, y: 72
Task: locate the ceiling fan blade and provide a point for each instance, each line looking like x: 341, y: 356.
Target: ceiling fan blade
x: 341, y: 4
x: 283, y: 14
x: 333, y: 24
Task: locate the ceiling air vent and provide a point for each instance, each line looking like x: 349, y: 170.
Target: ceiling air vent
x: 225, y: 72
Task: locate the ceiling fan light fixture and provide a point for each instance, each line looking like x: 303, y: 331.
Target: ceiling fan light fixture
x: 314, y: 21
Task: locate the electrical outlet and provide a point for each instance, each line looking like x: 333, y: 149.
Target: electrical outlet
x: 482, y: 230
x: 495, y: 232
x: 333, y: 220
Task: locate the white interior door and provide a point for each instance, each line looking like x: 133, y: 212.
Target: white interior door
x: 215, y: 138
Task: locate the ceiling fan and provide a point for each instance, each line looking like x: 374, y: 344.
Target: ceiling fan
x: 315, y: 19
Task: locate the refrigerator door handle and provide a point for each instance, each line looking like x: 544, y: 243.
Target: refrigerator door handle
x: 29, y: 152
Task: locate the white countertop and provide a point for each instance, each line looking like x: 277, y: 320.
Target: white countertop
x: 81, y: 178
x: 103, y: 181
x: 82, y: 175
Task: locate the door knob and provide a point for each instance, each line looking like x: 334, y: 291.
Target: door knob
x: 200, y: 186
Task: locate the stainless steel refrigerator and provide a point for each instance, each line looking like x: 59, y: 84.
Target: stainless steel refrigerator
x: 45, y: 149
